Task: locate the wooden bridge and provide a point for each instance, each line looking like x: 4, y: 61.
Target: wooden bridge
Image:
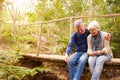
x: 60, y: 58
x: 69, y: 19
x: 112, y: 66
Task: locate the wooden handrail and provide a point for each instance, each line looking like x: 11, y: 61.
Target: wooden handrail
x: 73, y: 17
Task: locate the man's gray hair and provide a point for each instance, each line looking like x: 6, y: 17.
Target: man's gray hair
x: 94, y: 24
x: 78, y: 22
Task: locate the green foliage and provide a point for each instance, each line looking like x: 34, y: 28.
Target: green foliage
x: 9, y: 57
x: 25, y: 41
x: 56, y: 36
x: 18, y: 73
x: 9, y: 69
x: 61, y: 45
x: 58, y: 9
x: 14, y: 72
x: 43, y: 11
x: 113, y: 6
x: 31, y: 17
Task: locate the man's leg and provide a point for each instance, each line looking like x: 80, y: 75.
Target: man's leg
x: 91, y: 62
x: 99, y: 66
x: 72, y: 63
x: 80, y: 67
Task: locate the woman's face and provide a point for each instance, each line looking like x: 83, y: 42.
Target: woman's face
x: 93, y: 31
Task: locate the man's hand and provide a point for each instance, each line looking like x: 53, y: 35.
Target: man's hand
x: 108, y: 37
x: 66, y: 58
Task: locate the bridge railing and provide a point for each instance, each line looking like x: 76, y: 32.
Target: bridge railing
x: 49, y: 36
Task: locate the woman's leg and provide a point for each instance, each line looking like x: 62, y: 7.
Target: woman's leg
x: 99, y: 66
x: 91, y: 62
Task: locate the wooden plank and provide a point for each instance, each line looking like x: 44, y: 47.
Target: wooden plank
x: 60, y: 58
x: 46, y: 57
x: 114, y: 61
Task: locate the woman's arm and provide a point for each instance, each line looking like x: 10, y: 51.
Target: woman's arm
x: 105, y: 45
x: 89, y: 50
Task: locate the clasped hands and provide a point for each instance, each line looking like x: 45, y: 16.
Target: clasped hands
x: 96, y: 53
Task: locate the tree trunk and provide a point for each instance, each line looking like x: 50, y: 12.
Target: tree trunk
x: 91, y: 9
x: 14, y: 27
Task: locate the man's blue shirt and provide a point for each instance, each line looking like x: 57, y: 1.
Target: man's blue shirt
x: 80, y: 43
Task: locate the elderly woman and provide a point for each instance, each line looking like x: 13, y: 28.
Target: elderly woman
x: 98, y: 49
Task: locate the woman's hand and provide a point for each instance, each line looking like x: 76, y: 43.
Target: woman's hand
x: 100, y: 52
x: 95, y: 53
x: 92, y: 54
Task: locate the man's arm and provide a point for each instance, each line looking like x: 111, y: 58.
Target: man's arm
x: 108, y: 37
x: 69, y: 47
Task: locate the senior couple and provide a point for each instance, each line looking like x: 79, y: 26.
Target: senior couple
x: 92, y: 46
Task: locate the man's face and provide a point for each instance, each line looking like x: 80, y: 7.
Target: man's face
x: 80, y: 29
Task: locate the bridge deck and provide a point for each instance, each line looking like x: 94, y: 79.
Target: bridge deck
x: 60, y: 58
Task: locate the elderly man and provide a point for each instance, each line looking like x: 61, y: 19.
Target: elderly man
x: 76, y: 61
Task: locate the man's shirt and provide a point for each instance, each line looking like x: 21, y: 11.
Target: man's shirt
x: 79, y: 40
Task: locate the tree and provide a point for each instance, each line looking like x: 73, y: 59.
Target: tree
x: 1, y: 5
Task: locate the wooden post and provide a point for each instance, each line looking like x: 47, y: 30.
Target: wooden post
x: 18, y: 30
x: 39, y: 40
x: 18, y: 38
x: 0, y: 30
x: 1, y: 7
x: 71, y: 25
x: 48, y: 32
x: 14, y: 27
